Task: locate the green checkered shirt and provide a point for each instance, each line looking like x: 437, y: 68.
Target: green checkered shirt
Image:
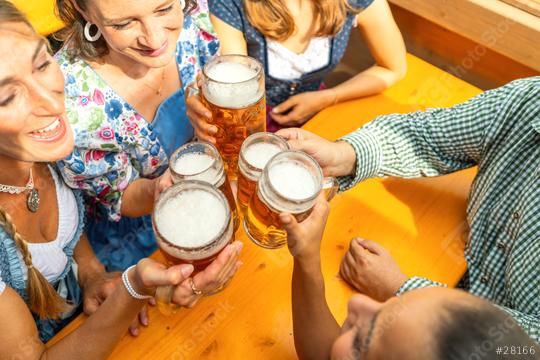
x: 499, y: 131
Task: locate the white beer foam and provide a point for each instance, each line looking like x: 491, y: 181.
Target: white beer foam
x: 258, y: 155
x: 192, y: 219
x: 292, y: 180
x: 192, y: 163
x: 195, y: 163
x: 233, y: 91
x: 231, y: 72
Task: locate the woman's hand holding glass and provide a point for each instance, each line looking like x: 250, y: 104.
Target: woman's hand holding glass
x: 150, y: 274
x: 214, y: 276
x: 162, y: 183
x: 199, y: 115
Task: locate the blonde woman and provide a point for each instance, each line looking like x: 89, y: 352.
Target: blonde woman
x: 47, y: 268
x: 300, y: 42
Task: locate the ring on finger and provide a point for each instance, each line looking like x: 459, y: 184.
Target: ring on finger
x: 194, y: 288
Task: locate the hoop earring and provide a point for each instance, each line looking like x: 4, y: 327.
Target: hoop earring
x: 182, y: 4
x: 87, y: 34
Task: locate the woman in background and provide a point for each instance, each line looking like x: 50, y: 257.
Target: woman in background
x: 300, y: 42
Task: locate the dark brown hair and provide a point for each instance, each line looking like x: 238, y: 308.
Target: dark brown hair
x: 475, y: 331
x: 73, y: 33
x: 273, y: 20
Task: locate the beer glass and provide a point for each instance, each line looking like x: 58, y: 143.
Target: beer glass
x: 255, y: 152
x: 201, y: 161
x: 290, y: 182
x: 192, y: 223
x: 233, y: 91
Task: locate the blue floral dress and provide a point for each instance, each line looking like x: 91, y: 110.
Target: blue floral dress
x: 114, y: 146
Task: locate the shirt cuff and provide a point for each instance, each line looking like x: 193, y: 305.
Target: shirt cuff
x: 416, y: 282
x: 368, y: 157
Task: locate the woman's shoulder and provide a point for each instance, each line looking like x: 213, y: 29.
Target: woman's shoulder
x: 360, y: 4
x: 197, y: 28
x: 74, y: 69
x: 91, y: 105
x: 200, y: 16
x: 230, y: 11
x: 196, y: 45
x: 225, y: 3
x: 81, y: 81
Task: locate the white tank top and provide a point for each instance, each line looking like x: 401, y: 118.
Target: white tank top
x: 284, y: 64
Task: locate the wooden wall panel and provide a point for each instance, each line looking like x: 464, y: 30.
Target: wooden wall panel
x: 501, y: 27
x: 456, y: 54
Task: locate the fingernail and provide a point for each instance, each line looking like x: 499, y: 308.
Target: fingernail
x: 135, y: 332
x: 145, y: 321
x: 275, y: 110
x: 213, y: 130
x: 187, y: 269
x: 208, y: 114
x: 240, y: 246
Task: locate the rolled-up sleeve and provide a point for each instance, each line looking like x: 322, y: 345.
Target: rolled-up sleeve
x: 424, y: 143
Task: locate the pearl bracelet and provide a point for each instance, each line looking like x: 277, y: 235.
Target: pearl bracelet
x: 130, y: 289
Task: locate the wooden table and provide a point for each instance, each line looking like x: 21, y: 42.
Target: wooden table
x: 422, y: 222
x: 41, y: 15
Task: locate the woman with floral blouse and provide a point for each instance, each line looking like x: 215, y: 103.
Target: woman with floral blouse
x: 126, y: 66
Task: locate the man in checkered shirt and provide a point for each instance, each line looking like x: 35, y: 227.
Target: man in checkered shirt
x: 498, y: 131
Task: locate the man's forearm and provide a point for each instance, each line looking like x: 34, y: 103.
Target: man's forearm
x: 315, y: 328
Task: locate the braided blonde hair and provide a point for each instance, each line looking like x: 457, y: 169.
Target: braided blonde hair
x: 43, y: 300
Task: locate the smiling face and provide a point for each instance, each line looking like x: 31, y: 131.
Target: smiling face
x: 32, y: 123
x: 143, y: 31
x: 400, y: 328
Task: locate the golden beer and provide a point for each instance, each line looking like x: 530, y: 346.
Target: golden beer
x: 246, y: 189
x: 192, y: 222
x: 290, y: 183
x: 233, y: 91
x: 255, y: 153
x: 201, y: 161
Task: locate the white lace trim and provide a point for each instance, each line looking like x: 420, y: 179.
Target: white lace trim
x: 285, y: 64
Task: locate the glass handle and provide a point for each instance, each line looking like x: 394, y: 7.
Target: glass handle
x: 330, y: 187
x: 164, y: 300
